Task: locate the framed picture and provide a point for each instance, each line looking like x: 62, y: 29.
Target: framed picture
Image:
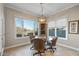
x: 74, y: 27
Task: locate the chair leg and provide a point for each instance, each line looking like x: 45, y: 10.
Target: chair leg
x: 45, y: 49
x: 54, y: 49
x: 49, y: 48
x: 38, y: 53
x: 35, y: 54
x: 31, y: 48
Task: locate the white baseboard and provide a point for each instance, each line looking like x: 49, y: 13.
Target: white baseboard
x: 70, y: 47
x: 16, y: 45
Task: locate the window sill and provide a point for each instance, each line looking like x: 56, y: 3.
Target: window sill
x: 19, y: 38
x: 62, y: 38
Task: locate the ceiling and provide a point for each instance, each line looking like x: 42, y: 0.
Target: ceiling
x: 35, y: 8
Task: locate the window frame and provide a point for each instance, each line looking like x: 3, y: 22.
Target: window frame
x: 49, y: 29
x: 56, y: 30
x: 66, y: 34
x: 15, y: 29
x: 23, y: 27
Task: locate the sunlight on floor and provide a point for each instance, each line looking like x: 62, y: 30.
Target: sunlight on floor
x: 25, y: 51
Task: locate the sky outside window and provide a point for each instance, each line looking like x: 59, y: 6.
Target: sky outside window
x: 28, y: 24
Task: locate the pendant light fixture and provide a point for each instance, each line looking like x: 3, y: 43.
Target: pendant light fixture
x: 42, y: 18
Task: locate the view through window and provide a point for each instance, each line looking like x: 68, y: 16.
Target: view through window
x: 58, y: 28
x: 25, y: 27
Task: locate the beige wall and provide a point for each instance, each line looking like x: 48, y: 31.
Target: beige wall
x: 71, y: 14
x: 10, y: 15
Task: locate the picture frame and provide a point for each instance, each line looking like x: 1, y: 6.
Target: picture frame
x: 74, y: 27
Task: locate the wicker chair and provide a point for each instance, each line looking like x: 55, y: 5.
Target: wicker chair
x: 39, y: 46
x: 52, y: 44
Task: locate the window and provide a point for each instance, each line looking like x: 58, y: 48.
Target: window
x: 51, y: 31
x: 58, y: 28
x: 25, y: 27
x: 18, y: 27
x: 36, y: 27
x: 61, y: 32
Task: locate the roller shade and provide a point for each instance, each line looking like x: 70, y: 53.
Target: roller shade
x: 61, y: 23
x: 58, y: 23
x: 51, y: 24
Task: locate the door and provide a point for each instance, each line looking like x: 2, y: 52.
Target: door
x: 0, y: 20
x: 0, y: 36
x: 1, y: 29
x: 0, y: 45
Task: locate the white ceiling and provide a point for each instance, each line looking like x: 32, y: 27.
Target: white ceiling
x: 35, y: 8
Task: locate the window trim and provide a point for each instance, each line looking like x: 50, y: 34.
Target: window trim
x: 22, y: 27
x: 61, y: 38
x: 50, y: 28
x: 15, y: 29
x: 66, y: 34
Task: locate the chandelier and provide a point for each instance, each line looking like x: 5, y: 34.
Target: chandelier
x: 42, y: 18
